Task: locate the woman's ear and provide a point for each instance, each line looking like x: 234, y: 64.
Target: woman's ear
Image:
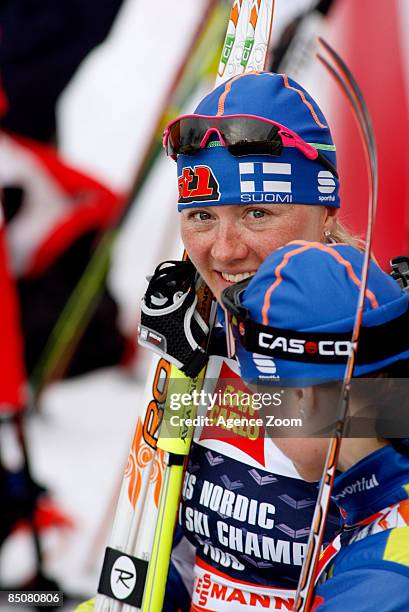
x: 330, y: 218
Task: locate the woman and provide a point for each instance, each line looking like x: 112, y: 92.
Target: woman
x: 299, y: 310
x: 256, y: 168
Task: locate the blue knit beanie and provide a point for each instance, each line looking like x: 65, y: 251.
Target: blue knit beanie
x: 261, y: 179
x: 303, y: 300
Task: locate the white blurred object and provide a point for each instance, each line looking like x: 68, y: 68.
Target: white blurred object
x: 106, y: 113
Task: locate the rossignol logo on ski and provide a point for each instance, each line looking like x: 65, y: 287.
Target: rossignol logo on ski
x: 325, y: 348
x: 154, y: 410
x: 198, y: 184
x: 123, y: 577
x: 260, y: 182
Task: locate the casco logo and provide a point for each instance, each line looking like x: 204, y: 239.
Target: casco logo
x: 265, y: 365
x: 198, y: 184
x: 300, y: 347
x: 326, y: 182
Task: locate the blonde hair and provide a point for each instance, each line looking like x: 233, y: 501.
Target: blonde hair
x: 341, y: 234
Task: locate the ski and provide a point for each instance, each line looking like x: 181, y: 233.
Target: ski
x: 347, y: 83
x: 148, y: 551
x: 258, y: 36
x: 237, y: 21
x: 247, y: 39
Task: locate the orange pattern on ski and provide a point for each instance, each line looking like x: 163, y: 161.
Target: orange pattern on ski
x: 235, y: 12
x: 140, y: 456
x: 254, y: 13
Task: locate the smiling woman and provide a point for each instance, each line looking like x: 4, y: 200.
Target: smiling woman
x: 256, y: 169
x: 229, y: 243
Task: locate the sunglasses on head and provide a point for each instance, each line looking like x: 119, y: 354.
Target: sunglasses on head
x: 240, y: 134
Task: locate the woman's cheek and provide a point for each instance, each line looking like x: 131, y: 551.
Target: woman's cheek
x: 189, y: 237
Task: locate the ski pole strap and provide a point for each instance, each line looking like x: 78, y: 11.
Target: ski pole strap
x: 123, y: 577
x: 170, y: 323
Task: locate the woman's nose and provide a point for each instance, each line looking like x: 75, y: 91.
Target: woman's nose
x: 229, y: 244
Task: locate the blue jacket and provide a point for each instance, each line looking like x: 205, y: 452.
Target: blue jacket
x: 371, y: 570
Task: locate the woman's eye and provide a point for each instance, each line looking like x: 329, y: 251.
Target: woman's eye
x: 201, y: 215
x: 257, y: 214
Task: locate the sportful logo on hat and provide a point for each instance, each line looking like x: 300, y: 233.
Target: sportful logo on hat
x: 198, y: 184
x: 265, y: 365
x: 326, y: 182
x: 327, y: 185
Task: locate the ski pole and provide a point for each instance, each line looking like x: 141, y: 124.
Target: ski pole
x: 346, y: 81
x: 177, y: 446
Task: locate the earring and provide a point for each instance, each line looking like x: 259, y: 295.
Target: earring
x: 328, y: 237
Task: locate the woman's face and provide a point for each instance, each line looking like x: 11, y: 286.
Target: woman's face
x: 228, y: 243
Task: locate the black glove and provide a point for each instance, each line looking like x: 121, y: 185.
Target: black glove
x: 170, y: 324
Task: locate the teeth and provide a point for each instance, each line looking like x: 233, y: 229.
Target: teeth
x: 236, y: 278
